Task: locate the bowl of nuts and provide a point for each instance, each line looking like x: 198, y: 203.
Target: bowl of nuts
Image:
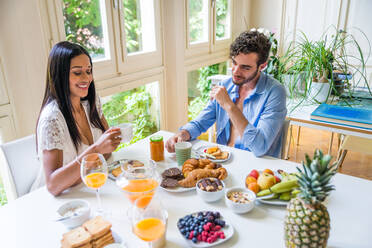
x: 240, y: 200
x: 210, y: 189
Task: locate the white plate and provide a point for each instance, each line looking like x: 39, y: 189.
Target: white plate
x: 275, y: 202
x: 228, y: 230
x: 202, y: 148
x: 178, y: 189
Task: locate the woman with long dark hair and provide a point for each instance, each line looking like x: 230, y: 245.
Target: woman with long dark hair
x: 71, y: 123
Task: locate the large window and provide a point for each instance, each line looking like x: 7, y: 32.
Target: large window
x: 122, y: 36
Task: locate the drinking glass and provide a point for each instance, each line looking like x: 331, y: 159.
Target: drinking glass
x: 149, y: 220
x: 94, y: 174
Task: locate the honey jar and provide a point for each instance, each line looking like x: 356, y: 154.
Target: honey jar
x: 157, y: 148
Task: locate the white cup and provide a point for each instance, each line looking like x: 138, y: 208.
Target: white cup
x: 126, y: 130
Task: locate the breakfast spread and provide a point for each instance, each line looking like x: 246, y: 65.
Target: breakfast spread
x: 210, y: 184
x: 202, y: 227
x: 216, y: 152
x: 95, y: 233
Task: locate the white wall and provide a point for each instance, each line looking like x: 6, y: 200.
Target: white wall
x: 23, y: 57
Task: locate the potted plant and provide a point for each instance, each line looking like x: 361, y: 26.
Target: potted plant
x: 318, y: 62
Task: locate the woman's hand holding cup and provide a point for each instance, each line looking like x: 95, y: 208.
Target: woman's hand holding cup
x: 109, y: 141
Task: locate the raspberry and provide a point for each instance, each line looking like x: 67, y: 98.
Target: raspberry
x: 199, y: 237
x: 217, y: 228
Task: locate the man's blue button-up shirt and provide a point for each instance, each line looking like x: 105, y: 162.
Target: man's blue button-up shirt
x: 265, y: 109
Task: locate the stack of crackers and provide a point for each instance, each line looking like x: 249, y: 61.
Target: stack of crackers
x: 95, y: 233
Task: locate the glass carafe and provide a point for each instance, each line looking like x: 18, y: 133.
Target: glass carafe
x: 139, y: 181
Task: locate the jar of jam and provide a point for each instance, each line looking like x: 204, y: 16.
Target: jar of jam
x: 157, y: 148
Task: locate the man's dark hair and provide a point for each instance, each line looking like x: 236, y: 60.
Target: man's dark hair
x: 251, y: 42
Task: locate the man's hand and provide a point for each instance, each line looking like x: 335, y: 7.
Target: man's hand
x: 180, y: 137
x: 222, y: 97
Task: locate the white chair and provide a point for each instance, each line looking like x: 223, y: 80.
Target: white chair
x: 19, y: 158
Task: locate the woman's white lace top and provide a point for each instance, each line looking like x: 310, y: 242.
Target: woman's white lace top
x: 53, y: 133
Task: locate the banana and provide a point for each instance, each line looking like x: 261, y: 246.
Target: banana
x: 264, y: 192
x: 286, y: 196
x: 284, y: 186
x: 275, y: 196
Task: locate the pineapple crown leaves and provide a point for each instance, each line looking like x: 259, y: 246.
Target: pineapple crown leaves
x: 314, y: 178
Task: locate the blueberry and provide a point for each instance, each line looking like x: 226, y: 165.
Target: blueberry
x: 194, y: 240
x: 216, y: 214
x: 210, y: 218
x: 187, y: 234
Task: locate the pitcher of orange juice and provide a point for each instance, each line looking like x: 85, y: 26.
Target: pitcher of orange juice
x: 140, y: 181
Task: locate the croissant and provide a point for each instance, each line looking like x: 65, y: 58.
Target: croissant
x: 197, y: 174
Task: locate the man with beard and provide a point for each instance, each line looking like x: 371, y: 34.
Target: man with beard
x: 249, y: 108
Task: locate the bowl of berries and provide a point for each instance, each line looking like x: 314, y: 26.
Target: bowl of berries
x: 210, y: 189
x: 204, y: 229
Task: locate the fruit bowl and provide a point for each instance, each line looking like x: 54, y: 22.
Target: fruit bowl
x: 210, y: 189
x: 240, y: 200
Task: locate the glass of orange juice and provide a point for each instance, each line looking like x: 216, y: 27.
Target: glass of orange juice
x: 149, y: 223
x: 94, y: 172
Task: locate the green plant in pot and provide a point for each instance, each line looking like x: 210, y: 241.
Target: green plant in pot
x: 318, y: 62
x: 315, y: 59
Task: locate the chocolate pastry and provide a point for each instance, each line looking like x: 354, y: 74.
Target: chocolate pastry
x: 169, y: 183
x: 174, y: 173
x: 210, y: 184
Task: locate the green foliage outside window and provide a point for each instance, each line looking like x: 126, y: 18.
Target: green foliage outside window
x: 195, y: 21
x: 131, y: 106
x: 132, y: 23
x: 83, y: 25
x: 204, y: 86
x: 221, y: 15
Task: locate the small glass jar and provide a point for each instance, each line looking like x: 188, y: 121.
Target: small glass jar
x: 157, y: 148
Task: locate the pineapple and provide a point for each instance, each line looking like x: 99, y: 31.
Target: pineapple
x: 307, y: 222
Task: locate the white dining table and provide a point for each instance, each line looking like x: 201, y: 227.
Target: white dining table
x: 29, y: 220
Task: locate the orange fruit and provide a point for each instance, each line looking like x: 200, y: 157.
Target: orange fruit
x: 250, y: 179
x: 269, y: 171
x: 254, y: 187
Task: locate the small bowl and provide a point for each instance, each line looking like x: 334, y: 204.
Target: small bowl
x: 80, y: 207
x: 238, y: 207
x: 210, y: 196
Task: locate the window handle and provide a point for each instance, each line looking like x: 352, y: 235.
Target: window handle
x: 213, y: 3
x: 115, y: 2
